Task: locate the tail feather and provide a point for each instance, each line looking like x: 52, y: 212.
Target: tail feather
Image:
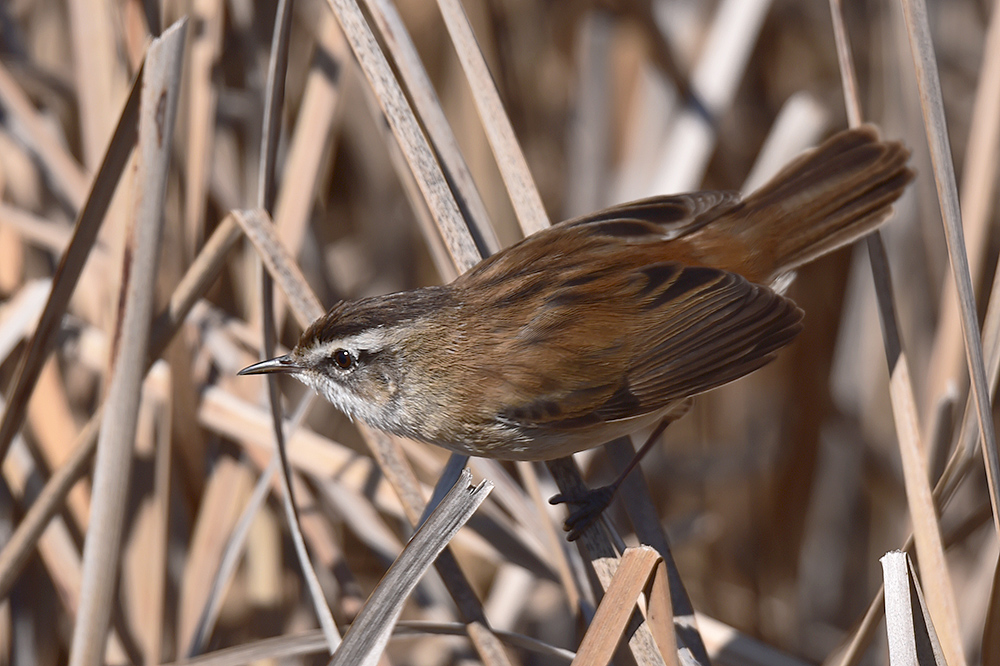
x: 825, y: 199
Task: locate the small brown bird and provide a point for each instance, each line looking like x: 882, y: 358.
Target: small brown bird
x: 601, y: 325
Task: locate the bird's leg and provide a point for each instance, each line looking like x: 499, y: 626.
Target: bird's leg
x: 592, y: 504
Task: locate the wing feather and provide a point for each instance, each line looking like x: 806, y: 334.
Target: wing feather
x: 665, y: 217
x: 693, y: 330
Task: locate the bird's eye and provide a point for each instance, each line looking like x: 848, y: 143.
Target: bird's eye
x: 343, y: 359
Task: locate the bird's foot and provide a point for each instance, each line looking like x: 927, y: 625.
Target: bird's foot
x: 589, y: 507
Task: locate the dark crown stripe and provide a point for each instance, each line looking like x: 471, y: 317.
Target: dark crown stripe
x: 349, y: 318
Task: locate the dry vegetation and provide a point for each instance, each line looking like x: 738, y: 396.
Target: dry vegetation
x: 779, y: 493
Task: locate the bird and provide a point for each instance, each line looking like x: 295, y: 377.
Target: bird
x: 602, y: 325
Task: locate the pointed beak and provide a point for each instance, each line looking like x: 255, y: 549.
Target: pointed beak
x: 279, y: 364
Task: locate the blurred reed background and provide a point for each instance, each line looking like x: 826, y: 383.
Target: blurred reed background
x: 779, y: 493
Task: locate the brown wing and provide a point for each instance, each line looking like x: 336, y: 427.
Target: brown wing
x: 722, y: 327
x: 676, y: 331
x: 535, y: 261
x: 665, y: 217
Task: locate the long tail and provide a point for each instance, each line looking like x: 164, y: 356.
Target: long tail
x: 826, y: 198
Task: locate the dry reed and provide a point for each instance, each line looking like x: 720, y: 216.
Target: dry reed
x: 403, y: 141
